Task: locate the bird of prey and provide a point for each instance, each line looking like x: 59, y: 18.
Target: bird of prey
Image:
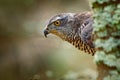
x: 74, y: 28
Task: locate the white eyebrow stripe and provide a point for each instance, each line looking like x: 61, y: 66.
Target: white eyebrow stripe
x: 71, y: 14
x: 58, y: 18
x: 55, y: 19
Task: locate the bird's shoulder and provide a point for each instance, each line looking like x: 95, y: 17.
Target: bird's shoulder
x: 84, y: 26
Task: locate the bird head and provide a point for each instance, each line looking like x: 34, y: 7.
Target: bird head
x: 60, y: 25
x: 74, y: 28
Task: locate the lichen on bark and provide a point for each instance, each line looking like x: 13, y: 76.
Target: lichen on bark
x: 107, y: 38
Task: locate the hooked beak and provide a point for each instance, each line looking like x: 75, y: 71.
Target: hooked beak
x: 46, y: 32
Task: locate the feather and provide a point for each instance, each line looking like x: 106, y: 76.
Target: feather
x: 74, y: 28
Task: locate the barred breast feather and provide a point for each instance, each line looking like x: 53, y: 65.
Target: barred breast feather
x: 83, y: 37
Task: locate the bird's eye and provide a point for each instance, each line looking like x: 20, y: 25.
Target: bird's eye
x: 57, y: 23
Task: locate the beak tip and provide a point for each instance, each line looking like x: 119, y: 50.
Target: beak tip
x: 46, y: 33
x: 45, y: 36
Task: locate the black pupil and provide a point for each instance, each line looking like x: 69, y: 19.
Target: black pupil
x: 57, y: 22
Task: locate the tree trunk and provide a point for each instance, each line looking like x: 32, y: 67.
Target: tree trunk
x: 107, y: 38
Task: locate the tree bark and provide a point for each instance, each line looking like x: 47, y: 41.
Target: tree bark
x: 107, y: 38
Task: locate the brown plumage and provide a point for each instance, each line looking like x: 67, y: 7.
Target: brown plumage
x: 74, y: 28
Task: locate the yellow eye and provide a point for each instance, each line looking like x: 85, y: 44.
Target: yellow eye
x: 57, y: 23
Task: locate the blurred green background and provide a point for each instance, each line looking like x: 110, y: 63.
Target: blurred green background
x: 25, y: 54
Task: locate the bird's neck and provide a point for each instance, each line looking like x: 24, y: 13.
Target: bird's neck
x: 78, y: 43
